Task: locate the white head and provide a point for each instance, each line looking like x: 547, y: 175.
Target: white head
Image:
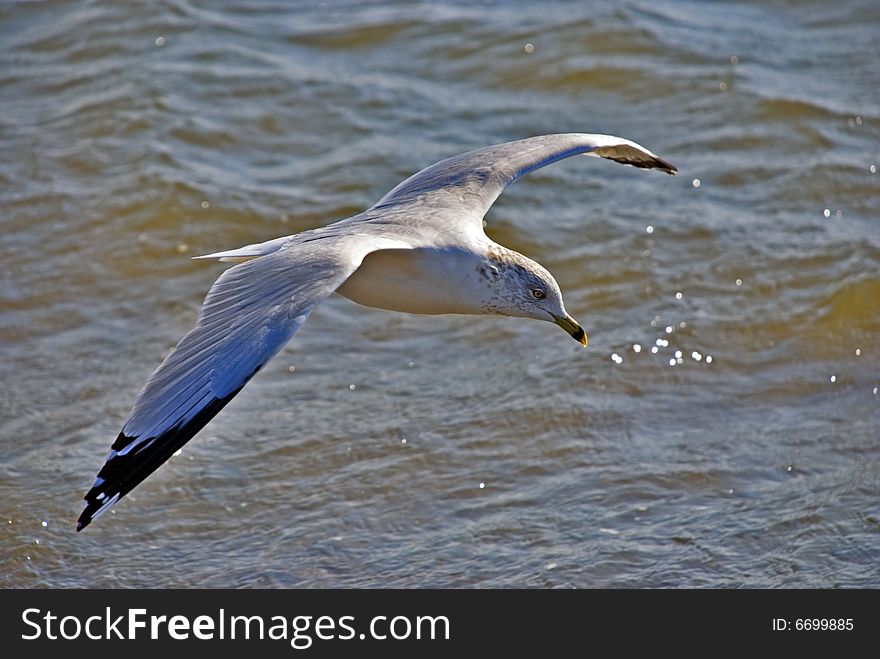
x: 518, y: 286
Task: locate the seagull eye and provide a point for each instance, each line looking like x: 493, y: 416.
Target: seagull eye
x: 538, y: 294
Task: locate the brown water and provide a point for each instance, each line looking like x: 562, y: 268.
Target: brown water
x: 135, y: 135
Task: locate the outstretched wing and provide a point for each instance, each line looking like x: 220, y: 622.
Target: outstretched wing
x: 251, y: 311
x: 468, y: 184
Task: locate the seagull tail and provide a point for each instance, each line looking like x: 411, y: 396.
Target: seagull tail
x: 248, y: 251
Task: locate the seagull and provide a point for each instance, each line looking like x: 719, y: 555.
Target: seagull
x: 420, y: 249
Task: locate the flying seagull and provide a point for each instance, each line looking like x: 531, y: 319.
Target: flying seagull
x: 420, y: 249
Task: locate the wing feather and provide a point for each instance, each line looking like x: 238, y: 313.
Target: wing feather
x: 465, y: 186
x: 251, y: 311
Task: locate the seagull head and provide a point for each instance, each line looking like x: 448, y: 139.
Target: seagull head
x: 522, y: 287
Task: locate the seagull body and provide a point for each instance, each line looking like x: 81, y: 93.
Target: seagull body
x: 420, y: 249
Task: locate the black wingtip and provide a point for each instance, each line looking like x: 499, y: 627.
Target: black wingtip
x: 653, y: 163
x: 667, y: 166
x: 658, y: 163
x: 124, y: 470
x: 91, y: 509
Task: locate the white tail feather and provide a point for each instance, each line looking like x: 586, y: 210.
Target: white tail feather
x: 248, y: 251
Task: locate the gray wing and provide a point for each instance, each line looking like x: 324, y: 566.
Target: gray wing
x: 465, y: 186
x: 251, y: 311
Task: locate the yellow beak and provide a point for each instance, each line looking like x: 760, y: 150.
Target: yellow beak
x: 571, y: 326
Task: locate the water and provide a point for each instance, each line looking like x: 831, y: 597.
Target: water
x: 135, y: 135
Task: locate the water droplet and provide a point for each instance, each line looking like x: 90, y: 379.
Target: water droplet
x: 403, y: 441
x: 678, y: 295
x: 291, y: 368
x: 708, y: 359
x: 36, y: 541
x: 678, y: 354
x: 206, y: 204
x: 653, y: 350
x: 833, y: 378
x: 550, y: 566
x: 160, y: 41
x: 858, y: 352
x: 875, y: 390
x: 637, y: 347
x: 682, y: 324
x: 873, y: 169
x: 482, y: 486
x: 696, y: 356
x: 739, y: 282
x: 827, y: 212
x: 412, y: 364
x: 723, y: 87
x: 672, y: 362
x: 669, y: 329
x: 529, y: 48
x: 617, y: 359
x: 734, y: 60
x: 696, y: 183
x: 649, y: 229
x: 182, y: 247
x: 352, y: 387
x: 789, y: 468
x: 679, y: 360
x: 45, y: 522
x: 858, y: 120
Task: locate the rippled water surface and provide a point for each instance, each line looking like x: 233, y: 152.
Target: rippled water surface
x: 384, y: 449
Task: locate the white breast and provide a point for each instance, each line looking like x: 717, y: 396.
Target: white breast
x: 426, y: 281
